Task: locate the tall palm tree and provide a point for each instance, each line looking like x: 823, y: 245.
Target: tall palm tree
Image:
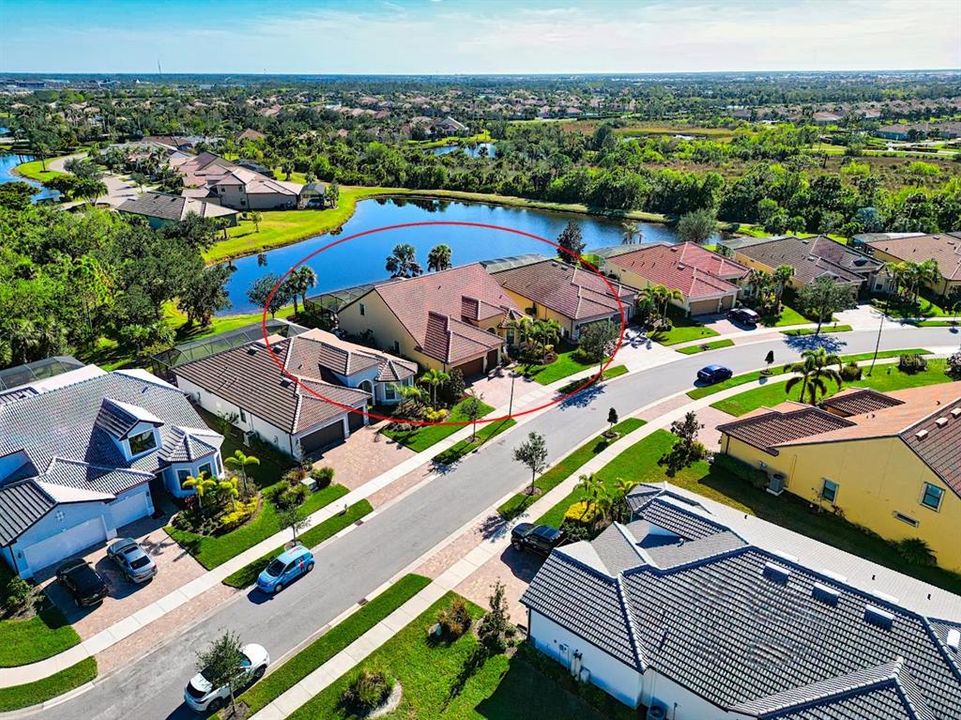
x: 814, y: 369
x: 661, y: 295
x: 925, y: 273
x: 782, y: 276
x: 302, y: 279
x: 434, y: 378
x: 201, y: 484
x: 402, y: 262
x: 439, y: 258
x: 239, y: 462
x: 631, y: 233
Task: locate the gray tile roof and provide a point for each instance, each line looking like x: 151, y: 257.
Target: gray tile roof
x: 172, y: 207
x: 812, y: 258
x: 80, y: 475
x: 21, y: 505
x: 189, y: 444
x: 712, y: 618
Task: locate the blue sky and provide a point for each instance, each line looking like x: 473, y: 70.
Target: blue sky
x: 477, y: 36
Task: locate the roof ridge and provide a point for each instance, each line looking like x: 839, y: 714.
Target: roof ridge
x: 632, y: 629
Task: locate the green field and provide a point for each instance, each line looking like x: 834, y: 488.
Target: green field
x: 33, y: 170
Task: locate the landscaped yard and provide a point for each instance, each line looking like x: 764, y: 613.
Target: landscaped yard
x: 23, y: 696
x: 639, y: 463
x: 886, y: 377
x: 26, y: 641
x: 789, y: 316
x: 34, y: 170
x: 332, y: 642
x: 694, y: 349
x: 567, y: 363
x: 420, y: 437
x: 897, y: 308
x: 502, y: 688
x: 565, y: 468
x: 685, y: 329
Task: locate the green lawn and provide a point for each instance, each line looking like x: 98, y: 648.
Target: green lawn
x: 211, y: 551
x: 885, y: 378
x: 332, y: 642
x: 924, y: 308
x: 33, y: 170
x: 420, y: 437
x: 247, y: 575
x: 565, y: 468
x: 26, y: 641
x: 825, y: 329
x: 685, y: 329
x: 567, y: 364
x: 23, y: 696
x: 461, y: 448
x: 501, y: 689
x: 937, y: 323
x: 789, y: 316
x: 694, y: 349
x: 639, y: 463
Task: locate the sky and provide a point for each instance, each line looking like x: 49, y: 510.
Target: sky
x: 477, y: 36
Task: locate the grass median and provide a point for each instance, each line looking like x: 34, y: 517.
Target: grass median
x: 332, y: 642
x: 313, y: 537
x: 18, y: 697
x: 463, y: 447
x: 565, y: 468
x: 797, y: 332
x: 694, y: 349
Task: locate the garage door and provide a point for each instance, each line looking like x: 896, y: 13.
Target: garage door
x: 704, y: 307
x: 355, y: 420
x: 473, y: 367
x: 323, y: 438
x: 128, y: 509
x: 63, y: 545
x: 491, y: 359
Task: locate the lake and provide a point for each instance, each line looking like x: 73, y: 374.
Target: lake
x: 8, y: 161
x: 472, y: 151
x: 362, y: 260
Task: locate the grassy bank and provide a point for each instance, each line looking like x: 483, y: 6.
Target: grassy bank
x: 694, y: 349
x: 33, y: 170
x: 17, y: 697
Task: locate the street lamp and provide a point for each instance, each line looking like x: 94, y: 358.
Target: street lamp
x: 510, y: 404
x: 877, y: 345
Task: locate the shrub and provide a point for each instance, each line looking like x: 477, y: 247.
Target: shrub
x: 238, y: 515
x: 851, y: 372
x: 438, y: 415
x: 369, y: 689
x: 740, y: 469
x: 322, y: 476
x: 16, y: 595
x: 915, y: 551
x: 912, y: 363
x: 291, y: 496
x: 581, y: 513
x: 954, y: 365
x: 452, y: 390
x: 455, y: 619
x: 574, y: 531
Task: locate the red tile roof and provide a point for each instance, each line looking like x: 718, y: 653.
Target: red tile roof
x: 666, y: 265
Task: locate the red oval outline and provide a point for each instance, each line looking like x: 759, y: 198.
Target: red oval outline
x: 456, y: 223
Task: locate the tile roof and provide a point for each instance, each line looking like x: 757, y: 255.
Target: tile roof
x: 945, y: 248
x: 700, y: 257
x: 749, y: 639
x: 812, y: 258
x: 248, y: 377
x: 857, y: 401
x: 573, y: 292
x: 770, y: 428
x: 422, y: 303
x: 663, y: 265
x: 172, y: 207
x: 189, y: 444
x: 316, y: 350
x: 84, y: 476
x: 21, y: 505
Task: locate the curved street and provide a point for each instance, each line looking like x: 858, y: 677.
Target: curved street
x: 352, y: 566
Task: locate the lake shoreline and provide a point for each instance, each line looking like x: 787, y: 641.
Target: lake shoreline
x: 358, y: 193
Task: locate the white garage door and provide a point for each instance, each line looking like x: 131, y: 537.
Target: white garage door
x: 63, y: 545
x: 128, y: 509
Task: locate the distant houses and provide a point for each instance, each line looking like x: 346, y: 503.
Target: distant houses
x: 162, y: 209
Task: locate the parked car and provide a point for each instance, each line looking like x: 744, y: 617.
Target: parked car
x: 86, y: 585
x: 713, y: 374
x: 202, y: 696
x: 540, y: 539
x: 132, y: 560
x: 744, y: 316
x: 285, y: 568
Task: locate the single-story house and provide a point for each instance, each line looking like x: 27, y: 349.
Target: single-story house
x: 696, y: 272
x: 695, y: 611
x: 336, y: 381
x: 886, y: 460
x: 234, y: 186
x: 811, y: 258
x: 944, y: 248
x: 574, y: 297
x: 82, y: 454
x: 456, y: 318
x: 161, y: 209
x: 449, y: 127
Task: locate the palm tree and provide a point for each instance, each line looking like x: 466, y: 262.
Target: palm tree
x: 434, y: 378
x: 301, y: 280
x: 201, y: 484
x: 631, y: 234
x: 439, y: 258
x: 782, y: 276
x: 255, y: 217
x: 660, y: 296
x: 239, y: 462
x: 925, y: 273
x: 402, y: 262
x: 814, y: 368
x: 916, y: 551
x: 621, y: 490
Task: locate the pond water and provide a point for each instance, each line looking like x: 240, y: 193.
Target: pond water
x: 474, y: 151
x: 362, y: 260
x: 8, y: 161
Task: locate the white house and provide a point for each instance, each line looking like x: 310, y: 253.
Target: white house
x: 336, y: 380
x: 680, y: 614
x: 81, y: 455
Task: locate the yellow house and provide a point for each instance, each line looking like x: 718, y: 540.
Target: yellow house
x: 944, y: 248
x: 889, y: 462
x: 451, y: 319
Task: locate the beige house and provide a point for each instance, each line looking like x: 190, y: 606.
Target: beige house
x: 234, y: 186
x: 944, y: 248
x: 456, y: 318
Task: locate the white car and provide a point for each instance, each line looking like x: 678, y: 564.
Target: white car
x: 201, y: 696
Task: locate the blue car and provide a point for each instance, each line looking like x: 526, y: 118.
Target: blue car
x: 713, y: 374
x: 285, y: 568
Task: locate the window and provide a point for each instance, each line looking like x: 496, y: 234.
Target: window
x: 829, y: 491
x: 243, y: 415
x: 142, y: 443
x: 363, y: 310
x: 390, y: 392
x: 931, y: 497
x: 182, y: 476
x: 207, y: 468
x: 905, y: 519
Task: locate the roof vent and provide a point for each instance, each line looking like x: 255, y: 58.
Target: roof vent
x: 954, y: 639
x: 941, y: 421
x: 776, y: 573
x: 835, y: 576
x: 825, y: 594
x: 956, y: 412
x: 879, y: 617
x: 921, y: 434
x: 285, y: 382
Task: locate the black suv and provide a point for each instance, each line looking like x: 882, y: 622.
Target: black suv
x: 744, y: 316
x: 540, y: 539
x: 85, y: 584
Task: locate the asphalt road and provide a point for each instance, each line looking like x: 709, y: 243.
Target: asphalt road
x: 365, y: 558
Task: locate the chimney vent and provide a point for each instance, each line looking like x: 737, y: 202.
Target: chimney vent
x: 825, y: 594
x: 921, y: 434
x: 954, y: 639
x: 956, y: 412
x: 776, y: 573
x: 941, y: 422
x: 879, y: 617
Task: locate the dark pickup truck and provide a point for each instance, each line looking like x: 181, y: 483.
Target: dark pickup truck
x: 85, y: 584
x: 540, y: 539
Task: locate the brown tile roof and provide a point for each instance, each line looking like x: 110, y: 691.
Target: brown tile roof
x: 316, y: 350
x: 248, y: 377
x: 573, y: 292
x: 857, y: 401
x: 812, y: 258
x: 422, y: 306
x: 771, y: 427
x: 173, y: 207
x: 663, y: 265
x: 944, y: 248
